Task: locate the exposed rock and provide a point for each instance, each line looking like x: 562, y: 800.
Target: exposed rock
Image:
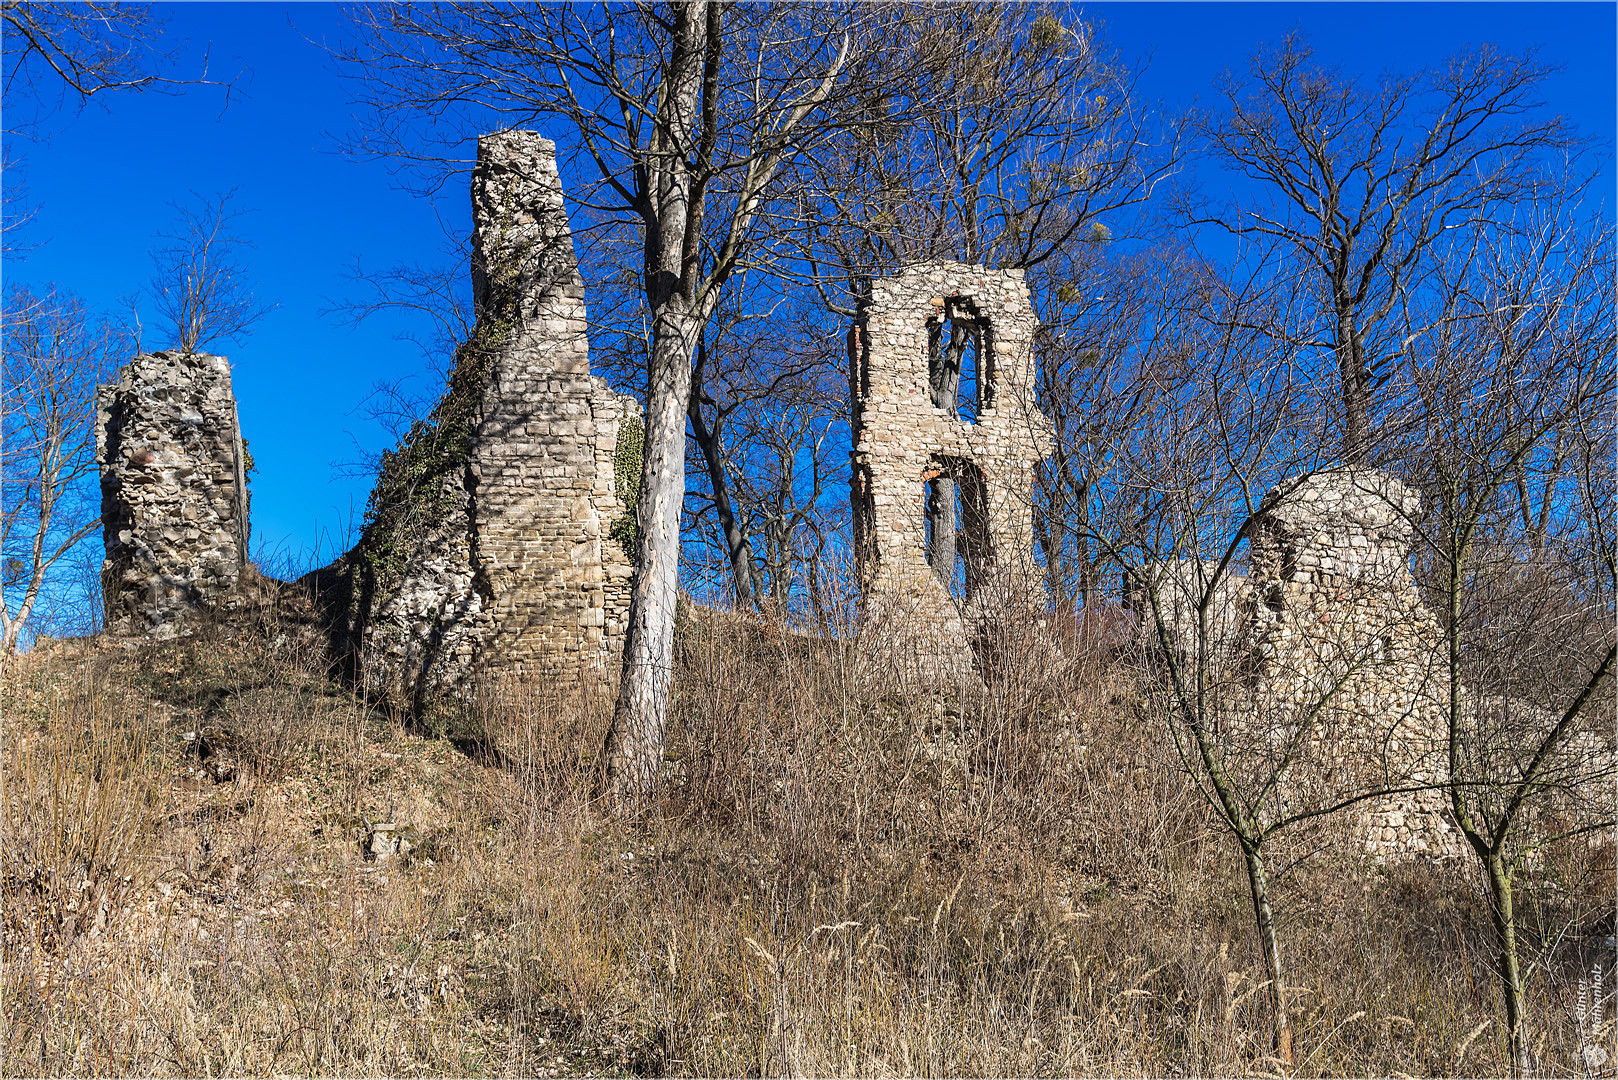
x: 386, y: 839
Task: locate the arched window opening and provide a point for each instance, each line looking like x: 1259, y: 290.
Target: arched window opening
x: 960, y: 360
x: 956, y: 540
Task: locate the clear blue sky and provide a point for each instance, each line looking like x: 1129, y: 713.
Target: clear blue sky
x: 104, y: 179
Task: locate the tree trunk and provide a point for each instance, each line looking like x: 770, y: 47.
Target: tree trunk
x: 738, y: 545
x: 1081, y: 536
x: 946, y: 384
x: 941, y: 540
x: 39, y: 562
x: 671, y: 205
x: 1257, y: 883
x: 1505, y: 935
x: 1356, y: 383
x: 1048, y: 533
x: 634, y: 749
x: 816, y: 603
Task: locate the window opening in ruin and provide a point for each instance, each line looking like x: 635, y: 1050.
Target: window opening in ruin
x: 864, y: 517
x: 959, y: 360
x: 956, y: 530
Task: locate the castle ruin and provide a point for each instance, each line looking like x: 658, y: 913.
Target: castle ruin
x: 494, y: 536
x: 946, y: 436
x: 1335, y: 635
x: 487, y: 544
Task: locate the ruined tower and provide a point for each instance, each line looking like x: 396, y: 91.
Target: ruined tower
x: 487, y: 546
x: 173, y: 492
x: 1337, y: 634
x: 946, y: 437
x: 542, y: 454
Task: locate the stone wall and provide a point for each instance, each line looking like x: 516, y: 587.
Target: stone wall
x: 1180, y: 586
x: 932, y: 575
x: 173, y: 493
x: 1337, y: 637
x: 542, y: 500
x: 505, y: 566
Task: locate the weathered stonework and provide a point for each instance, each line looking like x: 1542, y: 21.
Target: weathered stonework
x: 1328, y: 629
x: 173, y: 493
x: 1336, y: 635
x: 511, y: 571
x: 542, y: 497
x: 1180, y: 586
x: 934, y: 577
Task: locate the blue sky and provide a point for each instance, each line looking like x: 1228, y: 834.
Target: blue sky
x: 104, y: 179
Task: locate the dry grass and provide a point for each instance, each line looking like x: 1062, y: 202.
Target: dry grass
x: 1020, y: 882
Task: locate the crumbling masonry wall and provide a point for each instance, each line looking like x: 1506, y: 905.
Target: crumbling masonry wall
x: 1334, y: 617
x: 918, y: 447
x: 173, y: 493
x: 503, y: 564
x: 543, y: 499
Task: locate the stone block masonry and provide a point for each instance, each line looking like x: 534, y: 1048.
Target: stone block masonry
x: 1325, y: 663
x: 173, y: 493
x: 542, y: 499
x: 946, y: 437
x: 486, y: 549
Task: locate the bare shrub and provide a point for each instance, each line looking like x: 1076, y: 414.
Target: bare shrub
x: 80, y: 808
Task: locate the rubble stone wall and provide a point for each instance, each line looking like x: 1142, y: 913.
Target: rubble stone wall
x: 1180, y: 587
x: 1337, y: 636
x: 173, y: 492
x: 903, y: 441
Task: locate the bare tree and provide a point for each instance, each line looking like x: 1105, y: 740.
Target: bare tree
x: 1212, y: 406
x: 779, y: 470
x: 1266, y: 694
x: 199, y: 282
x: 83, y: 49
x: 1016, y: 134
x: 1514, y: 394
x: 1101, y: 312
x: 685, y: 113
x: 1359, y: 181
x: 55, y: 354
x: 767, y: 395
x: 67, y: 55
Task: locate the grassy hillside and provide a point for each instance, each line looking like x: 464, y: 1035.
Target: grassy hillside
x: 836, y: 881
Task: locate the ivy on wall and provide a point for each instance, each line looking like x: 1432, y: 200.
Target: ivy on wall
x: 419, y: 483
x: 628, y: 455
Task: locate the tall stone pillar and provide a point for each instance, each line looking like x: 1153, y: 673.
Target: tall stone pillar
x: 173, y: 492
x: 498, y: 562
x: 538, y: 506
